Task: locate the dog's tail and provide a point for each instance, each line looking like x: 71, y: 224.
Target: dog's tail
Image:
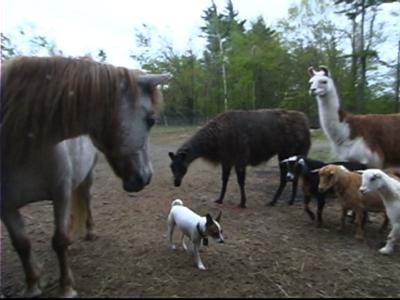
x: 177, y: 202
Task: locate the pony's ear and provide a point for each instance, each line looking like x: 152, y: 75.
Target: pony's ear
x: 218, y: 218
x: 171, y: 155
x: 152, y: 79
x: 325, y: 70
x: 311, y: 71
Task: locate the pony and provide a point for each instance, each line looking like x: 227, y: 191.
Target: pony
x: 55, y: 112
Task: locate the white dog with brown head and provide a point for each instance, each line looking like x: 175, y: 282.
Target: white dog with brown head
x: 194, y: 226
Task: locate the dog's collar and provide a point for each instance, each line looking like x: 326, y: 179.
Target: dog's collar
x: 199, y: 231
x: 202, y: 235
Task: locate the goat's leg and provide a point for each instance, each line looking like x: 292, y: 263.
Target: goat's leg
x: 226, y: 171
x: 294, y: 189
x: 241, y: 178
x: 282, y: 183
x: 61, y: 241
x: 307, y: 199
x: 393, y: 237
x: 13, y: 221
x: 320, y: 208
x: 359, y: 223
x: 342, y: 219
x: 385, y: 223
x: 170, y: 232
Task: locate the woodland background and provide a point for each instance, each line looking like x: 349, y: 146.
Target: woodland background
x: 250, y: 65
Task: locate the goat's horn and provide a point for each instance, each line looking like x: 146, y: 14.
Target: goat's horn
x: 359, y: 171
x: 315, y: 170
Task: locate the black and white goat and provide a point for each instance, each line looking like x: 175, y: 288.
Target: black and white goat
x: 301, y: 166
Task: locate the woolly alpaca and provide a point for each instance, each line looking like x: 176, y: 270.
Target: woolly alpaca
x: 371, y: 139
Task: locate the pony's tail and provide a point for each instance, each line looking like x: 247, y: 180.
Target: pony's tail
x: 177, y: 202
x: 79, y: 215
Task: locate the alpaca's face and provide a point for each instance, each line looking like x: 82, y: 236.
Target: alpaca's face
x: 320, y: 84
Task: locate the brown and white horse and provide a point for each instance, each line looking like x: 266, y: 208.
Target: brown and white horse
x: 54, y: 111
x: 372, y: 139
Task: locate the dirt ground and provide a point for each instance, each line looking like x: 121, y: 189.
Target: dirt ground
x: 268, y: 251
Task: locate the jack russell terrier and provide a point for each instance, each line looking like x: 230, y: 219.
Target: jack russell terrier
x: 195, y: 227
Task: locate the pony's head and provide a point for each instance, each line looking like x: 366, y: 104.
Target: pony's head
x: 125, y: 141
x: 320, y: 82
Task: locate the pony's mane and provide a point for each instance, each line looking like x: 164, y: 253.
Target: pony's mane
x: 47, y: 99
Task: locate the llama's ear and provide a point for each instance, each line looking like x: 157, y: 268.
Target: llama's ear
x: 171, y: 155
x: 311, y: 71
x: 218, y: 218
x: 325, y: 70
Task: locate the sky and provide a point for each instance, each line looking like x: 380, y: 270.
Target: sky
x: 83, y: 26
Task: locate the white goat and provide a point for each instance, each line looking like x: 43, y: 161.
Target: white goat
x: 389, y: 190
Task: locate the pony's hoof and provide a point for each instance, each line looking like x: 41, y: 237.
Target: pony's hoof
x: 242, y: 205
x: 90, y: 237
x: 272, y: 203
x: 218, y: 201
x: 69, y: 293
x: 359, y: 237
x: 33, y: 292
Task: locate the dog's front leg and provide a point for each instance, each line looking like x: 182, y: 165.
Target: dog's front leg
x: 171, y: 227
x: 196, y: 253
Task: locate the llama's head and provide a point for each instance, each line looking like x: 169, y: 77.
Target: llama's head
x: 371, y: 180
x: 320, y: 82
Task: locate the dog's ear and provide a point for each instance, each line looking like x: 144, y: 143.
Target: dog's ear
x: 209, y: 219
x: 218, y: 218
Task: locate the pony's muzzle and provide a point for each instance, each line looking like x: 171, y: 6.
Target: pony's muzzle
x: 137, y: 184
x: 177, y: 182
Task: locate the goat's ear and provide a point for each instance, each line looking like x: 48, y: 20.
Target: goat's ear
x: 325, y: 70
x: 218, y: 218
x: 315, y: 170
x: 171, y: 155
x: 311, y: 71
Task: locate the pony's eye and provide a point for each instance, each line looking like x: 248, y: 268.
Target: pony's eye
x: 151, y: 120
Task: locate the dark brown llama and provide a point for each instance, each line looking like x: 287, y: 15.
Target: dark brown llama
x: 241, y: 138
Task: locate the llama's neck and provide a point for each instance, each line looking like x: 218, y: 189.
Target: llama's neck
x: 200, y: 145
x: 328, y: 109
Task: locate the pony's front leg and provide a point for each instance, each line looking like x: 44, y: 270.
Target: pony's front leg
x: 61, y: 241
x: 13, y: 221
